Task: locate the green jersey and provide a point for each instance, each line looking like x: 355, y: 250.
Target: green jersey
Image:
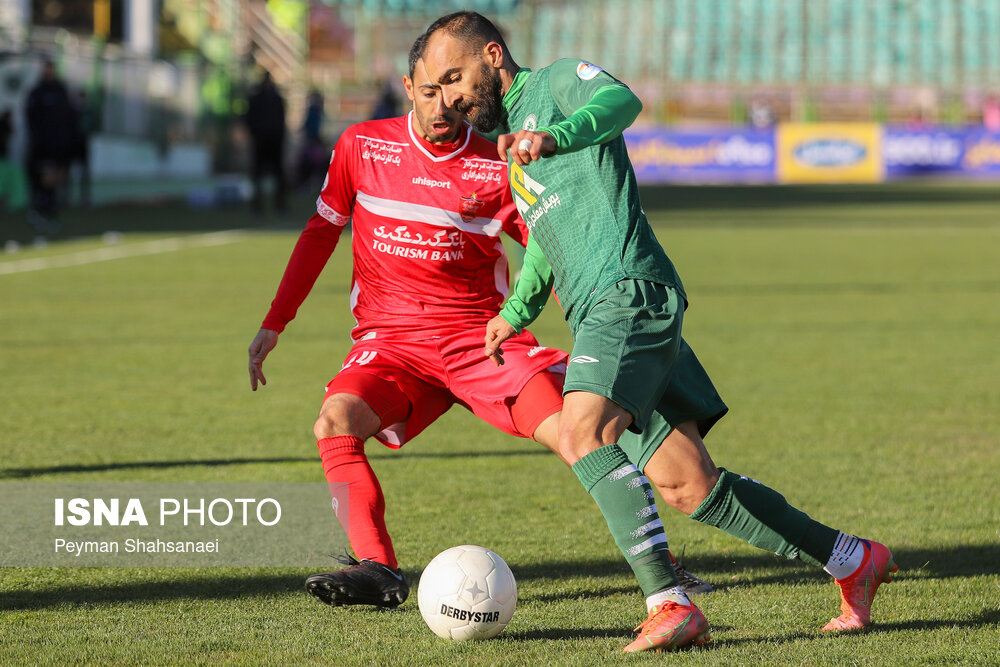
x: 581, y: 205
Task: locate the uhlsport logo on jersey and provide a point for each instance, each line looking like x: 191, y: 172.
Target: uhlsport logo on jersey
x: 469, y: 207
x: 587, y: 71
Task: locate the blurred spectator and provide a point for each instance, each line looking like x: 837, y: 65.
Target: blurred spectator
x: 81, y: 145
x: 387, y: 104
x: 6, y: 129
x: 265, y: 119
x: 761, y: 114
x: 314, y: 155
x: 12, y: 187
x: 51, y: 137
x: 313, y: 125
x: 991, y: 113
x: 921, y: 119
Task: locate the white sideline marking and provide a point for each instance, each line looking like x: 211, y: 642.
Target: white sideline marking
x: 121, y: 252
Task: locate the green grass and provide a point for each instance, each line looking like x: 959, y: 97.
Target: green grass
x: 852, y: 331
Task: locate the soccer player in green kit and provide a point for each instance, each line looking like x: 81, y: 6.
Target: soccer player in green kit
x: 637, y: 401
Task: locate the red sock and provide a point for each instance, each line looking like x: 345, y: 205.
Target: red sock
x: 344, y: 460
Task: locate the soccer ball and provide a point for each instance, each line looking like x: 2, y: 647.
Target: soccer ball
x: 467, y: 592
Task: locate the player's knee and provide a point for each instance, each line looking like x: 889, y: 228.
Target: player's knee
x: 686, y: 494
x: 574, y: 442
x: 346, y: 414
x: 681, y: 498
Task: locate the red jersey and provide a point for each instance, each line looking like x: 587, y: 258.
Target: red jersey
x: 426, y: 223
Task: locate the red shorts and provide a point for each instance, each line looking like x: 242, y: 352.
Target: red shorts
x: 410, y: 383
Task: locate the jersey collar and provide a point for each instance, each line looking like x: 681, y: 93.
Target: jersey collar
x: 433, y: 151
x: 516, y: 86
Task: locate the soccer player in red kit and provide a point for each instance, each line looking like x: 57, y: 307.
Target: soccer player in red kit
x: 428, y: 199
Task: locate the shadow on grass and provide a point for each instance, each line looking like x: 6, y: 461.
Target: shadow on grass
x: 163, y: 216
x: 985, y: 618
x: 946, y: 562
x: 726, y: 572
x: 386, y: 455
x: 807, y: 289
x: 24, y: 473
x: 176, y: 216
x: 684, y: 197
x: 565, y: 633
x: 158, y: 589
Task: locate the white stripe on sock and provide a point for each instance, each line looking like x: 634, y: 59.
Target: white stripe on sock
x: 646, y: 512
x: 647, y: 544
x: 642, y: 530
x: 848, y: 554
x: 624, y: 471
x: 636, y: 482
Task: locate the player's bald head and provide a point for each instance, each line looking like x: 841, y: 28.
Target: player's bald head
x: 471, y: 29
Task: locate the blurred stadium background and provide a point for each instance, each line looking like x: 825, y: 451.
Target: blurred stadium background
x: 167, y: 80
x: 853, y: 317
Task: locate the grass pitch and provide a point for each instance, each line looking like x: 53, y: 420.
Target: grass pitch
x: 853, y: 332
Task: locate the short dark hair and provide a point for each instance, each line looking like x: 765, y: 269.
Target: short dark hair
x: 416, y: 51
x: 471, y: 28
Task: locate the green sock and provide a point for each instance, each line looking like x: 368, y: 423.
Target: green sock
x: 747, y: 509
x: 627, y: 502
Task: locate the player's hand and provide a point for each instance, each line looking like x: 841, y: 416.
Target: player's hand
x: 497, y: 331
x: 541, y: 145
x: 263, y: 342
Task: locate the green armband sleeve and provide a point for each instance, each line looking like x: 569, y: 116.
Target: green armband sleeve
x: 612, y: 109
x: 531, y: 290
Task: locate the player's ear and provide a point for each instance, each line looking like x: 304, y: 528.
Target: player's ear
x: 408, y: 85
x: 493, y: 54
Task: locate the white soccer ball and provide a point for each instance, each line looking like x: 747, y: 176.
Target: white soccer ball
x: 467, y: 592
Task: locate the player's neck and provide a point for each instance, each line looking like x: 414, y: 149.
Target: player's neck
x: 507, y: 74
x: 441, y: 148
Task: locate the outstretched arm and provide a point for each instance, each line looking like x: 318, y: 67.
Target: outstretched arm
x: 312, y: 251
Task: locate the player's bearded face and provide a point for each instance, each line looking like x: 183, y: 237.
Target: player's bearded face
x: 484, y: 108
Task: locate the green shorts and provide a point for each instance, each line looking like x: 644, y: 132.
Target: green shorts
x: 629, y: 349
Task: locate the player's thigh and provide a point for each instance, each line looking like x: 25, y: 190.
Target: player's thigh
x: 690, y: 396
x: 403, y: 397
x: 357, y: 402
x: 516, y: 397
x: 536, y: 408
x: 626, y: 347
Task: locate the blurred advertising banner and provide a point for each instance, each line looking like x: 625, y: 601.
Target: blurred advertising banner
x: 723, y: 155
x: 971, y: 152
x: 829, y: 153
